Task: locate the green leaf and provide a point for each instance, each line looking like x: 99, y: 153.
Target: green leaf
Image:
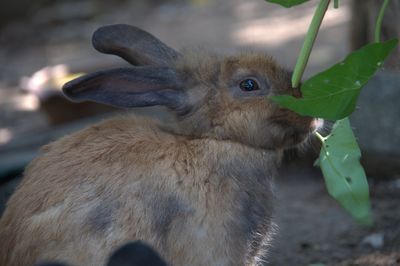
x: 344, y: 176
x: 332, y: 94
x: 287, y: 3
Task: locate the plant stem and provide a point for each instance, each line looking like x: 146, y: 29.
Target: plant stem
x: 336, y: 3
x: 319, y: 136
x: 309, y: 42
x: 379, y: 20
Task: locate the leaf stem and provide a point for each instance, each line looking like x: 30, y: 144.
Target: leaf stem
x: 379, y: 20
x: 336, y: 3
x: 320, y: 137
x: 309, y: 42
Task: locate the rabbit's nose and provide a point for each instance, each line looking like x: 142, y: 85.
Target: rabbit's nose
x: 297, y: 93
x: 317, y: 124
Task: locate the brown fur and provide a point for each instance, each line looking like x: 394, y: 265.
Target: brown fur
x: 199, y: 191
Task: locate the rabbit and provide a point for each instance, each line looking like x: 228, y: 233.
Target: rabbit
x: 198, y: 189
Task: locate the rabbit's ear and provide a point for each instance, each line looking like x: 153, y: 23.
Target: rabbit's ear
x: 129, y: 87
x: 136, y: 46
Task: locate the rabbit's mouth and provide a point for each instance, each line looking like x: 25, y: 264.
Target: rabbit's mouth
x: 294, y: 135
x: 300, y: 135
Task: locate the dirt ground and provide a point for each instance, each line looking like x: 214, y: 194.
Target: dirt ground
x: 313, y: 228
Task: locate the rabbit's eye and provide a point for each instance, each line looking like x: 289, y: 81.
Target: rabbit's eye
x: 249, y: 85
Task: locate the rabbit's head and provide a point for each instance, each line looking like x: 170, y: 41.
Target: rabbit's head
x: 220, y: 97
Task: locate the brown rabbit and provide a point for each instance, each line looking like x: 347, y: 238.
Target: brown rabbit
x: 200, y: 191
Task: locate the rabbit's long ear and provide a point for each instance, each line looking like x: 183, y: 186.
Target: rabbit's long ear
x: 129, y: 87
x: 136, y: 46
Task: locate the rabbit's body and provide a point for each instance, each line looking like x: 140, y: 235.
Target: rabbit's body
x: 199, y: 191
x: 125, y: 179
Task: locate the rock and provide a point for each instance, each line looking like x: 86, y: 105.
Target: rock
x: 374, y: 240
x: 395, y: 184
x: 376, y: 125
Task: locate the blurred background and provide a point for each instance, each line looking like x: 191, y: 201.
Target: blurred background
x: 45, y: 43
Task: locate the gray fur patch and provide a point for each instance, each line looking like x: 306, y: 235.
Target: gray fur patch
x: 101, y: 217
x: 165, y: 210
x: 254, y: 202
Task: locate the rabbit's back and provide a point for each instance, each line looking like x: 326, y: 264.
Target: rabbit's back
x: 85, y: 189
x: 125, y: 179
